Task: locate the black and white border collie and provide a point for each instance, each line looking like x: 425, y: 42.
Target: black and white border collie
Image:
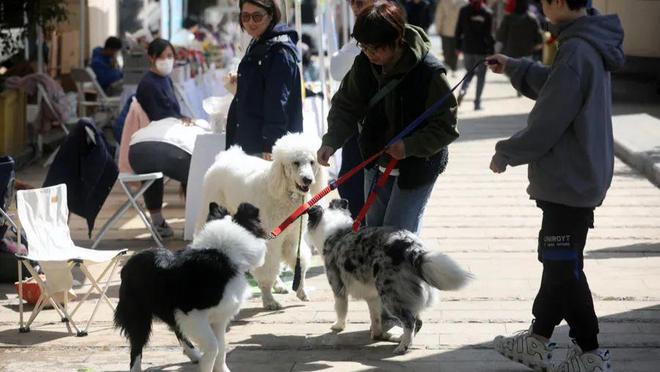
x: 195, y: 291
x: 387, y: 267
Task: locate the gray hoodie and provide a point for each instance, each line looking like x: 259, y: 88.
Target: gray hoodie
x: 568, y: 140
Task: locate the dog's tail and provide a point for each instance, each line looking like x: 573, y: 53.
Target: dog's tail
x: 442, y: 272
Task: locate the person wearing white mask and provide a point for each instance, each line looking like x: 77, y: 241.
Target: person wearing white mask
x: 155, y: 92
x: 151, y: 153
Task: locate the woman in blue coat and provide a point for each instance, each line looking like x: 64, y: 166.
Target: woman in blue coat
x: 268, y: 101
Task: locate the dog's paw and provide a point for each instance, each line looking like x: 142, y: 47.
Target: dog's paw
x: 272, y: 305
x: 302, y: 295
x: 338, y: 326
x: 280, y: 288
x: 383, y: 336
x: 401, y: 349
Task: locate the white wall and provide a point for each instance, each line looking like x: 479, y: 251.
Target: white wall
x: 103, y: 21
x: 641, y: 24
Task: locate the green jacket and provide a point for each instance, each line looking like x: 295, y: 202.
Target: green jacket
x: 350, y: 103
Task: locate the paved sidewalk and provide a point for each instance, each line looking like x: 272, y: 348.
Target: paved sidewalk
x: 484, y: 221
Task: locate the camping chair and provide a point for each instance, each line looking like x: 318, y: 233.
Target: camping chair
x: 124, y: 180
x: 43, y: 214
x: 86, y: 82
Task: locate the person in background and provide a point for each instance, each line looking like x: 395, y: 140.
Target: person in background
x: 185, y: 36
x: 568, y: 147
x: 475, y: 40
x: 520, y: 32
x: 268, y: 100
x: 419, y: 13
x: 104, y: 65
x: 155, y: 93
x: 446, y: 17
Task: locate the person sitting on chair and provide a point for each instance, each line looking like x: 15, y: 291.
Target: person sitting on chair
x: 155, y: 94
x: 104, y: 65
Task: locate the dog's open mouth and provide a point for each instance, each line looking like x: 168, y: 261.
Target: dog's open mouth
x: 302, y: 188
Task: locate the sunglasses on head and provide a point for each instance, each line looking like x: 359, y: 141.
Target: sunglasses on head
x: 256, y: 17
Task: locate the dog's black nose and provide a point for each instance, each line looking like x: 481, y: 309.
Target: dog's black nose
x: 307, y: 181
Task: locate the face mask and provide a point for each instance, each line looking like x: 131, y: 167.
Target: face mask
x: 165, y: 66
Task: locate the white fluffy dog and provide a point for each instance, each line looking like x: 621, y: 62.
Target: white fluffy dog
x: 277, y: 188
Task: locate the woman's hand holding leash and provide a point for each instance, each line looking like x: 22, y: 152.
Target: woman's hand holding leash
x: 323, y: 155
x: 397, y: 150
x: 497, y: 63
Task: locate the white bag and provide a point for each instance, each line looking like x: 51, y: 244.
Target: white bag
x: 218, y: 108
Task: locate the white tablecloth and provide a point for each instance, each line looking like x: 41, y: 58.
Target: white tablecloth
x: 207, y: 147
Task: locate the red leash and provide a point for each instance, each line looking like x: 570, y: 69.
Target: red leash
x: 315, y: 199
x: 372, y: 196
x: 381, y: 181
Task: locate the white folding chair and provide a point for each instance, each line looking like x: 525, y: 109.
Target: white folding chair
x: 86, y: 82
x: 124, y: 179
x: 43, y: 215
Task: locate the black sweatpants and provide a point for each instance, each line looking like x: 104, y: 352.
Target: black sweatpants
x: 564, y: 292
x: 148, y: 157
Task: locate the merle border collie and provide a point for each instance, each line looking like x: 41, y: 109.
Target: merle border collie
x: 195, y: 291
x: 387, y: 267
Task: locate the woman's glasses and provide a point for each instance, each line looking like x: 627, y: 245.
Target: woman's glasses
x: 256, y: 17
x: 368, y: 48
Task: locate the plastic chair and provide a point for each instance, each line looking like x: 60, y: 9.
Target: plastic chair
x: 43, y: 215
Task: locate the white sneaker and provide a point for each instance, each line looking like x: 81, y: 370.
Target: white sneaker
x: 578, y: 361
x: 526, y: 349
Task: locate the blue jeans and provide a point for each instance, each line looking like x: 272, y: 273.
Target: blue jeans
x: 394, y: 206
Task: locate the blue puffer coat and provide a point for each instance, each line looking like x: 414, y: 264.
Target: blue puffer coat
x: 268, y: 101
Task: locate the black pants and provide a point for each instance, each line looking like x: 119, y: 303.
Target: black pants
x: 449, y: 52
x: 147, y: 157
x: 564, y: 292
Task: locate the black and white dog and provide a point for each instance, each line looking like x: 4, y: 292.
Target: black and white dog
x: 195, y: 291
x: 389, y: 268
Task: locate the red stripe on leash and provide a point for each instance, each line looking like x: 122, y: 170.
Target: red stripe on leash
x: 372, y: 196
x: 315, y: 199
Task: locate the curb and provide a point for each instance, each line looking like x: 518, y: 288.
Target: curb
x: 637, y: 143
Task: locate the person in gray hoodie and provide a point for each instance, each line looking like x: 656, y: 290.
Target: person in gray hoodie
x: 568, y: 146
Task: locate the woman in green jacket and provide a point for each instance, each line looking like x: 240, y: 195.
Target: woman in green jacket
x: 394, y: 51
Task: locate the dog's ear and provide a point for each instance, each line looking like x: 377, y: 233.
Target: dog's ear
x: 247, y: 216
x: 341, y: 204
x: 277, y: 177
x: 216, y: 212
x: 315, y: 213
